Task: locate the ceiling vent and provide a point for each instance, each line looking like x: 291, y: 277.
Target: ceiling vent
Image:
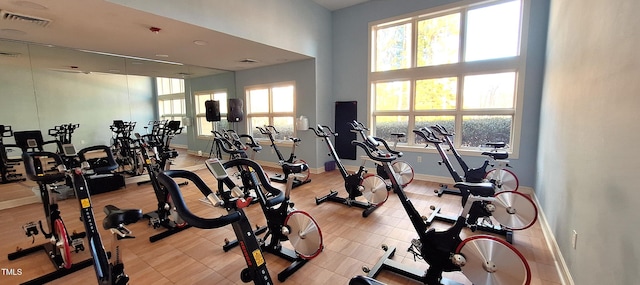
x: 11, y: 16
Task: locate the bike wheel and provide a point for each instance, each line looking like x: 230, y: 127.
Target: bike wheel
x: 514, y: 210
x: 304, y: 175
x: 304, y: 234
x: 503, y: 179
x: 490, y: 260
x: 374, y: 189
x: 404, y: 172
x: 63, y: 243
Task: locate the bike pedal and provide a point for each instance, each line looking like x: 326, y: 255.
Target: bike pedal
x: 78, y: 244
x: 155, y: 222
x: 30, y: 229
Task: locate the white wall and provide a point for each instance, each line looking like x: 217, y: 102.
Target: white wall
x: 587, y: 156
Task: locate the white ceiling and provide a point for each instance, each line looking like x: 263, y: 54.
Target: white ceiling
x: 98, y: 25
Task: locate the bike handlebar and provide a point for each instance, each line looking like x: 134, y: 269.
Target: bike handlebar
x: 378, y: 156
x: 441, y: 130
x: 30, y: 166
x: 320, y: 131
x: 427, y: 135
x: 166, y: 180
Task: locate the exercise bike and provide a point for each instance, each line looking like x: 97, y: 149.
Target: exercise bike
x: 61, y: 243
x: 370, y: 186
x: 123, y: 148
x: 503, y: 178
x: 302, y: 177
x: 284, y: 222
x: 510, y: 209
x: 165, y: 216
x: 8, y: 172
x: 482, y: 259
x: 256, y: 269
x: 402, y: 168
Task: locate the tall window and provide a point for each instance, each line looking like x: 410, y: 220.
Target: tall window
x: 171, y: 103
x: 204, y: 127
x: 457, y: 67
x: 271, y: 105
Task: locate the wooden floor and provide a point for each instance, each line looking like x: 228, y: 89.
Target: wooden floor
x: 195, y: 256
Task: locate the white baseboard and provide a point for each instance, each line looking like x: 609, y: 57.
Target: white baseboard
x: 552, y: 244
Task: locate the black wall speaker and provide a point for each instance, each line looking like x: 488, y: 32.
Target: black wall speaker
x: 235, y: 113
x: 212, y: 108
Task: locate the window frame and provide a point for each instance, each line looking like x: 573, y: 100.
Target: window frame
x: 459, y: 70
x: 174, y: 91
x: 270, y: 113
x: 199, y: 115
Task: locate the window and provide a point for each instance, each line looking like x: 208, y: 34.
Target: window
x: 271, y: 105
x: 457, y: 66
x: 171, y: 102
x: 204, y: 127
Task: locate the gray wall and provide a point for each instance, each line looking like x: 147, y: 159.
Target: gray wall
x: 587, y: 155
x: 350, y: 45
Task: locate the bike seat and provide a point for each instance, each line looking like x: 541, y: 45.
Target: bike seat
x: 294, y: 167
x: 483, y: 189
x: 295, y: 140
x: 399, y: 135
x: 497, y: 155
x: 496, y: 144
x: 116, y: 217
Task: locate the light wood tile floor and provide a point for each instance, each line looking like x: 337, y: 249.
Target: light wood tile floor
x: 195, y: 256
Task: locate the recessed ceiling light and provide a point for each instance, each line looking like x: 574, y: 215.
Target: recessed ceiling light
x: 162, y: 55
x: 200, y: 42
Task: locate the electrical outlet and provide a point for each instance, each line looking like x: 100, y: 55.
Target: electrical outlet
x: 419, y: 158
x: 574, y: 239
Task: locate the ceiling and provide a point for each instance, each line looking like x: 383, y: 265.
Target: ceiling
x: 97, y: 25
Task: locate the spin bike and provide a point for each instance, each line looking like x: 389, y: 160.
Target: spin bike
x: 512, y: 210
x: 165, y: 215
x: 61, y: 243
x: 256, y: 269
x: 122, y: 146
x: 7, y: 165
x: 403, y: 168
x: 300, y: 178
x: 504, y: 179
x: 482, y: 259
x: 372, y: 187
x: 284, y: 222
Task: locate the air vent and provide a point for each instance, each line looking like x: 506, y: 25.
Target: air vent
x: 11, y: 16
x: 9, y: 54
